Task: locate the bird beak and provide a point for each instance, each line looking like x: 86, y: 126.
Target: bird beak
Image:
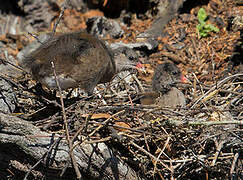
x: 140, y: 67
x: 184, y: 79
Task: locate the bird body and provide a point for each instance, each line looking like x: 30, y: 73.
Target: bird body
x: 172, y: 98
x: 80, y: 60
x: 166, y: 76
x: 163, y: 93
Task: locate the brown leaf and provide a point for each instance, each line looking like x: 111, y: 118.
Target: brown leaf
x: 97, y: 116
x: 122, y: 124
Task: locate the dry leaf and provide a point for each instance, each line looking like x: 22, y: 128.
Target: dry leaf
x: 122, y: 124
x: 97, y: 116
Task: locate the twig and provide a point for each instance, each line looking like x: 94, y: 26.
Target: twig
x: 152, y: 156
x: 207, y: 88
x: 157, y: 108
x: 98, y: 128
x: 214, y: 87
x: 198, y: 83
x: 66, y: 125
x: 161, y: 152
x: 36, y: 37
x: 51, y: 102
x: 98, y: 105
x: 232, y: 169
x: 199, y: 157
x: 138, y: 82
x: 12, y: 82
x: 60, y: 17
x: 220, y: 146
x: 205, y: 123
x: 16, y: 66
x: 46, y: 153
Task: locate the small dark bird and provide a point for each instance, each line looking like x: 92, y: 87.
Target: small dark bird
x: 80, y: 59
x: 164, y: 93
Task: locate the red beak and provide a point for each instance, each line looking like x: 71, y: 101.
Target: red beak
x: 184, y: 79
x: 140, y: 66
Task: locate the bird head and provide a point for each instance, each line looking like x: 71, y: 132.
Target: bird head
x: 123, y: 63
x: 166, y: 76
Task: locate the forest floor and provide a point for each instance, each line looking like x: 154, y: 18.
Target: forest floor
x: 203, y: 139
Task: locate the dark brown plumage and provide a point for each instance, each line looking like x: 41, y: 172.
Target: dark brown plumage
x: 165, y: 77
x: 81, y: 60
x: 164, y: 93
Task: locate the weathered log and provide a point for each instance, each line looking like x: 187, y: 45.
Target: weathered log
x: 22, y: 145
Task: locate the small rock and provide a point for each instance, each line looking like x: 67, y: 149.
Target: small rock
x: 149, y: 45
x: 101, y: 27
x: 39, y: 13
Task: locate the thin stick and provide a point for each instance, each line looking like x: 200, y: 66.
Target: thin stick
x: 66, y: 125
x: 78, y: 174
x: 18, y: 67
x: 204, y: 123
x: 208, y: 88
x: 46, y: 153
x: 214, y: 87
x: 36, y: 37
x: 98, y: 128
x: 161, y: 152
x: 138, y: 82
x: 60, y: 17
x: 219, y: 148
x: 232, y: 169
x: 151, y: 156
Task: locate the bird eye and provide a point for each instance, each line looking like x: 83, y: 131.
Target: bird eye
x: 174, y: 73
